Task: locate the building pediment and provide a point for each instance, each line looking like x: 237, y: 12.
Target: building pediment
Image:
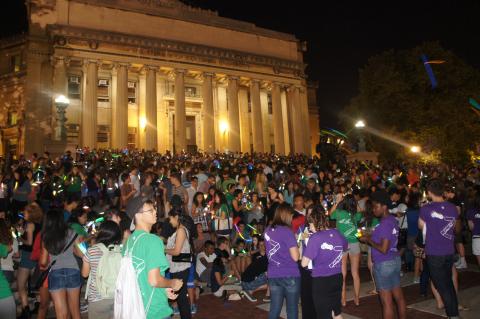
x: 175, y: 9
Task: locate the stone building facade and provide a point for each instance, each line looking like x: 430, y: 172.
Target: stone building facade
x: 153, y: 74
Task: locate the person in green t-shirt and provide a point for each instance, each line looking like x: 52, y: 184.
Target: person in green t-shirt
x: 344, y: 212
x: 7, y: 302
x: 77, y: 221
x: 150, y: 261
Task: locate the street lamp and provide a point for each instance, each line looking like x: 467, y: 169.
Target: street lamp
x: 61, y: 103
x: 415, y: 149
x: 360, y: 124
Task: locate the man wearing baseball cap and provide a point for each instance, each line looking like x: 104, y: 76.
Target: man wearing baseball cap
x: 150, y: 263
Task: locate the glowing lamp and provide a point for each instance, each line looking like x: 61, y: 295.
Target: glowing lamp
x: 223, y: 127
x: 415, y: 149
x: 360, y: 124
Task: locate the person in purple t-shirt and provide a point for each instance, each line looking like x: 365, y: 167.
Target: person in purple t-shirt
x: 473, y: 217
x: 437, y: 221
x: 283, y: 273
x: 325, y: 249
x: 385, y: 257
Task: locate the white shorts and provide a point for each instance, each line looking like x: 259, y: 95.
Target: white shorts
x: 476, y: 246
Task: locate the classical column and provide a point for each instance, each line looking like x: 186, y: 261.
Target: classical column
x: 278, y: 139
x: 298, y: 130
x: 233, y: 115
x: 257, y: 130
x: 180, y: 141
x: 244, y: 120
x: 294, y: 122
x: 208, y: 115
x: 151, y: 108
x: 305, y: 121
x: 267, y: 144
x: 89, y: 110
x: 120, y: 107
x: 59, y: 88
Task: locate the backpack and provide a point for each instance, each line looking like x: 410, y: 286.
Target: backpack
x: 107, y: 271
x: 128, y: 301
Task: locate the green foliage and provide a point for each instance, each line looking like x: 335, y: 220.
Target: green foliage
x: 395, y: 96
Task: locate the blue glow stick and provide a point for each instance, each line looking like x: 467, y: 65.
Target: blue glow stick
x: 429, y: 70
x: 474, y: 103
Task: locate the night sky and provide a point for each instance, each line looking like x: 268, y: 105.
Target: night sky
x: 341, y: 35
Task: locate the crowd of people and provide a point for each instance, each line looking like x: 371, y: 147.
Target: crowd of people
x: 229, y: 224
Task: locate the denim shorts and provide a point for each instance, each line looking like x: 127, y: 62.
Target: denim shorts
x: 25, y: 261
x: 64, y: 278
x: 387, y: 274
x: 354, y: 248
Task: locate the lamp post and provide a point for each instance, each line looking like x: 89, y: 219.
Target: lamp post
x: 362, y: 147
x: 415, y: 149
x: 61, y: 103
x: 360, y: 124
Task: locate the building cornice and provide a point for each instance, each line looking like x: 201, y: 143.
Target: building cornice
x: 12, y: 41
x: 64, y: 35
x: 175, y: 9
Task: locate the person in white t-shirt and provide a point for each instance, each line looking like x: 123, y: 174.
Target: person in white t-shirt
x: 205, y: 261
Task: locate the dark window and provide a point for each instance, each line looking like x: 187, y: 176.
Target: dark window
x: 102, y: 90
x: 12, y: 118
x: 249, y: 102
x: 190, y: 91
x: 132, y: 92
x: 15, y: 63
x: 74, y: 87
x: 132, y: 137
x: 102, y: 133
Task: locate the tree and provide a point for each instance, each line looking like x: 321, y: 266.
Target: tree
x: 396, y: 97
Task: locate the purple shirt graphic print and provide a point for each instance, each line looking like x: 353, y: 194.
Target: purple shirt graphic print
x: 439, y: 218
x: 325, y: 249
x: 279, y: 240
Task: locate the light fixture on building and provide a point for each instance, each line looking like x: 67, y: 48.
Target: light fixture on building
x: 415, y: 149
x: 143, y: 123
x: 223, y: 127
x: 62, y: 99
x: 61, y: 103
x: 360, y: 124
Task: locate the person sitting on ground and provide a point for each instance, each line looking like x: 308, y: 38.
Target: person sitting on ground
x: 219, y: 279
x: 205, y: 262
x: 223, y: 246
x: 254, y: 278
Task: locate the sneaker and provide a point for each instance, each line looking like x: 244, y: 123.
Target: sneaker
x: 416, y: 280
x: 266, y: 299
x: 193, y: 309
x: 176, y: 312
x: 84, y: 308
x: 234, y: 297
x: 249, y: 296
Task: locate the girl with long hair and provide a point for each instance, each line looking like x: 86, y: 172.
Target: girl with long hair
x: 325, y: 248
x: 344, y: 212
x: 179, y: 252
x: 222, y: 222
x: 64, y: 281
x: 283, y: 273
x: 109, y: 237
x: 33, y: 218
